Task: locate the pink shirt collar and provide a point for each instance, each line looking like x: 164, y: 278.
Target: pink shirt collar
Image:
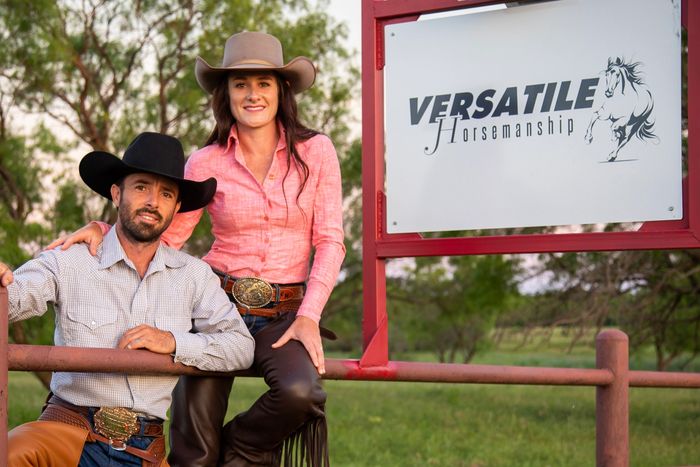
x: 233, y: 138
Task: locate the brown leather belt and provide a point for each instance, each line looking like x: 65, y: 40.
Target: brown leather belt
x: 59, y: 410
x: 260, y: 298
x: 151, y: 428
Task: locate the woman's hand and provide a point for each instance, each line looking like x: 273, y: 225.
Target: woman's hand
x: 90, y: 234
x: 306, y: 331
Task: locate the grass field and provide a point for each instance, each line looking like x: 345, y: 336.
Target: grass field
x: 430, y: 424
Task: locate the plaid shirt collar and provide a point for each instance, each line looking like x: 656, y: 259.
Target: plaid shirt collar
x: 111, y: 252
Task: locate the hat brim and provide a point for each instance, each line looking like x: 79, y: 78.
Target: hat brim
x: 300, y: 72
x: 100, y: 170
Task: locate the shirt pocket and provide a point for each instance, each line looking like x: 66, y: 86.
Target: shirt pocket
x: 90, y: 327
x: 174, y: 323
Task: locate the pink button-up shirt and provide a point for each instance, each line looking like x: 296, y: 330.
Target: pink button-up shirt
x: 262, y: 230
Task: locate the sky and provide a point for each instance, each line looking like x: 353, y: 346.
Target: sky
x: 349, y: 11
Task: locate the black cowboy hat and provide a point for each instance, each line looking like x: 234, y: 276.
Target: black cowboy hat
x: 151, y: 153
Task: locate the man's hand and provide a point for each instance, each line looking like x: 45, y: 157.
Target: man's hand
x: 147, y: 337
x: 6, y: 276
x: 306, y: 331
x: 90, y: 234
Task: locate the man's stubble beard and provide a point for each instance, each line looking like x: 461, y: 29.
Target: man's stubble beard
x: 138, y: 232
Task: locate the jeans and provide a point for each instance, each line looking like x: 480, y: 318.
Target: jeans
x: 255, y: 323
x: 100, y: 454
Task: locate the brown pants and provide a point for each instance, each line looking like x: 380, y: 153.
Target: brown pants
x: 45, y: 444
x: 290, y: 412
x: 58, y: 440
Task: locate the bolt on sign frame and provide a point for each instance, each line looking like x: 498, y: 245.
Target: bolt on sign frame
x: 378, y: 245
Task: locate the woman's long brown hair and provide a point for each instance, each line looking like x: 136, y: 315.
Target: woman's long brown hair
x: 287, y: 115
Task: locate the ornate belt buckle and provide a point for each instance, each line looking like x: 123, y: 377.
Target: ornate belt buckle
x: 117, y: 424
x: 252, y: 292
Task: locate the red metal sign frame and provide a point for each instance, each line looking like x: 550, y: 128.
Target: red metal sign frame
x: 378, y: 245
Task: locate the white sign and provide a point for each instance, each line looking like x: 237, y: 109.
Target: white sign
x: 555, y: 113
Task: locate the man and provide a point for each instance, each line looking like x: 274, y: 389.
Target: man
x: 135, y: 294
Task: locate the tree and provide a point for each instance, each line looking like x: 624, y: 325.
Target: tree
x: 94, y: 73
x: 451, y: 305
x: 20, y: 194
x: 654, y: 296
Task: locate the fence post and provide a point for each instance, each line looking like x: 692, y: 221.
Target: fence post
x: 612, y: 401
x: 4, y: 336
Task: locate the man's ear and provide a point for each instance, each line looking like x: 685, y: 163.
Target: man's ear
x: 116, y: 195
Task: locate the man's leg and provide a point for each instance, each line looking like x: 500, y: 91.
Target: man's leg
x: 295, y: 397
x: 98, y: 454
x: 197, y: 415
x: 46, y: 444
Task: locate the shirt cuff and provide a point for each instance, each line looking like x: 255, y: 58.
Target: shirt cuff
x: 314, y: 301
x: 188, y: 347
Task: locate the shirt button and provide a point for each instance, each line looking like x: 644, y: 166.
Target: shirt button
x: 92, y: 323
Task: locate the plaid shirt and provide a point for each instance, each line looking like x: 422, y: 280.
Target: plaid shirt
x: 98, y: 298
x: 260, y: 230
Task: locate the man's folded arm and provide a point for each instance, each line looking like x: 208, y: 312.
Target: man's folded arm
x: 35, y: 284
x: 220, y: 341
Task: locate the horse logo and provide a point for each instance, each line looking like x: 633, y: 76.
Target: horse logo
x: 628, y: 106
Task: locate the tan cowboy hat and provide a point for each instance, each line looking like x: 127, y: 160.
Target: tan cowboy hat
x: 255, y: 51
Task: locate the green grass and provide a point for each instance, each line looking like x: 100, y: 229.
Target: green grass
x: 426, y: 424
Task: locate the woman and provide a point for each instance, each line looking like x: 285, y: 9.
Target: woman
x: 278, y: 198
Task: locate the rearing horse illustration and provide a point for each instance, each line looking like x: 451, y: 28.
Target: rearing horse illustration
x: 628, y: 106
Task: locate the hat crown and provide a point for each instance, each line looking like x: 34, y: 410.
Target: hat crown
x: 155, y: 152
x: 253, y: 48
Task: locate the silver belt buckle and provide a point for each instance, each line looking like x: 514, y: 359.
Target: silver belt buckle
x: 252, y: 292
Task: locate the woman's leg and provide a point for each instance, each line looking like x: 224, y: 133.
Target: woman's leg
x: 295, y: 397
x: 197, y: 415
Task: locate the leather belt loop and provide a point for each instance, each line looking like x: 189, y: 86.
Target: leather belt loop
x: 277, y: 292
x: 225, y: 281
